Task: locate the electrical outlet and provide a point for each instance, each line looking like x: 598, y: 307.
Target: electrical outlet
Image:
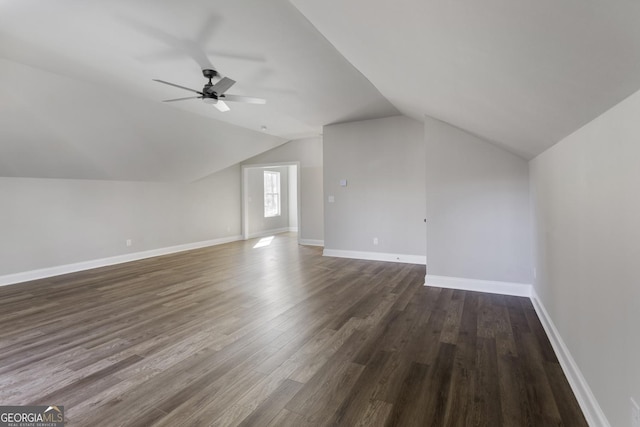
x: 635, y: 413
x: 129, y: 242
x: 375, y: 240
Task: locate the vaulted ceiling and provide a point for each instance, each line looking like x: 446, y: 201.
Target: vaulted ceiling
x: 77, y: 98
x: 522, y: 74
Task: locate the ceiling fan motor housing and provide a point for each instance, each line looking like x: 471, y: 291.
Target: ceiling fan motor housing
x: 209, y: 96
x: 207, y: 93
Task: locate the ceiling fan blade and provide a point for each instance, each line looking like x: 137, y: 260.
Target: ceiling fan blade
x: 231, y: 55
x: 177, y: 46
x: 181, y: 87
x: 220, y: 105
x: 208, y: 29
x: 222, y: 86
x: 182, y: 99
x: 247, y: 99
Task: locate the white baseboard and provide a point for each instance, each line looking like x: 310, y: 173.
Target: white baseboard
x: 268, y: 232
x: 293, y: 229
x: 43, y: 273
x: 376, y: 256
x: 311, y: 242
x: 587, y: 401
x: 490, y: 286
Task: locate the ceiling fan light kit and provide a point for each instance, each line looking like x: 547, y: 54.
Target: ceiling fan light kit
x: 214, y: 93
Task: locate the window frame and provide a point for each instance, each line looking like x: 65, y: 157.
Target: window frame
x: 272, y: 190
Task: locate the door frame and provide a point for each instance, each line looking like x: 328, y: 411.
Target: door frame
x: 244, y: 186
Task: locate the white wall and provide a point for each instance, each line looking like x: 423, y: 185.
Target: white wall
x: 308, y: 153
x: 586, y: 204
x: 293, y: 197
x: 383, y: 163
x: 52, y: 222
x: 257, y: 223
x: 478, y: 218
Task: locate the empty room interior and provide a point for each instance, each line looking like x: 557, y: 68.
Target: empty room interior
x: 304, y: 213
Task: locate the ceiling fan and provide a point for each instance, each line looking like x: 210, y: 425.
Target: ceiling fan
x: 215, y: 93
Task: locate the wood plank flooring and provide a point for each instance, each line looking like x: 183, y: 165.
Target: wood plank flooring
x: 276, y: 336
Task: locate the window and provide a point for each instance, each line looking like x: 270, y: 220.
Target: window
x: 271, y: 194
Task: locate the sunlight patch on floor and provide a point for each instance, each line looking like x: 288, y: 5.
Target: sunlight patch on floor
x: 265, y: 241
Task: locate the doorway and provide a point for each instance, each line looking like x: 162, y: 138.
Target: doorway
x: 270, y: 199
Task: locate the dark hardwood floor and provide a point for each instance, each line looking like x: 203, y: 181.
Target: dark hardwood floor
x: 276, y: 336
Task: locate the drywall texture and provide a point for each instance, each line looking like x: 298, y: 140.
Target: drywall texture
x: 478, y: 217
x: 257, y: 223
x: 52, y: 222
x: 383, y: 163
x: 587, y: 233
x: 308, y: 153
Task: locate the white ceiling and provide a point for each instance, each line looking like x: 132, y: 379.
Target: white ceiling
x: 77, y: 99
x: 522, y: 74
x: 53, y: 126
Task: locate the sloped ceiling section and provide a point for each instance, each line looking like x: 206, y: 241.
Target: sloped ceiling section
x: 77, y: 98
x: 522, y: 74
x: 53, y: 126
